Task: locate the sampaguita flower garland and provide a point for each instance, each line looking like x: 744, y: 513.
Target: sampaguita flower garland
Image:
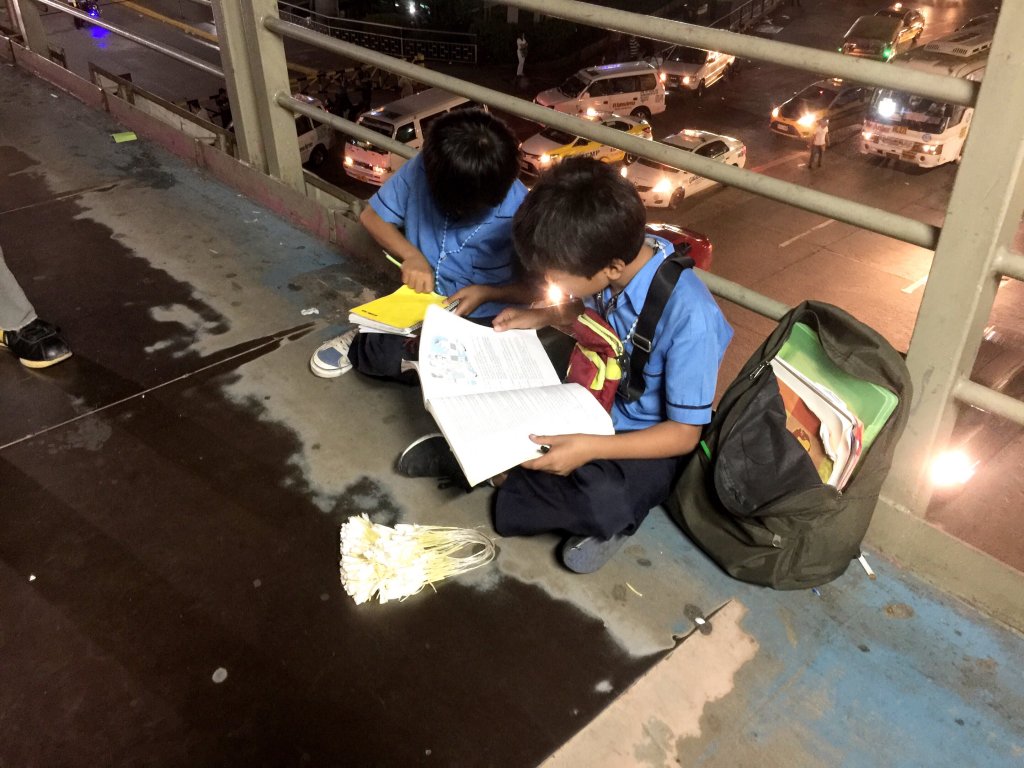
x: 394, y: 563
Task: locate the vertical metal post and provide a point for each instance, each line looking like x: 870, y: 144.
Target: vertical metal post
x: 983, y: 214
x: 268, y: 70
x: 265, y: 53
x: 238, y: 81
x: 25, y: 14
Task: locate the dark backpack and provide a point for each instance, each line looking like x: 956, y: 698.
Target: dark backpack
x: 751, y: 498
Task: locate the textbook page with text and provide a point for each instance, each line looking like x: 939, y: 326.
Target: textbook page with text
x: 489, y: 391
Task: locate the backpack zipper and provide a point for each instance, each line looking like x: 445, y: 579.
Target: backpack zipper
x: 759, y: 370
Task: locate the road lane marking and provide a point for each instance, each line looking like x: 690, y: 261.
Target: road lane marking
x: 804, y: 234
x: 202, y: 34
x: 916, y: 284
x: 778, y: 161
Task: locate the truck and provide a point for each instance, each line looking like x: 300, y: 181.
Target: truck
x: 918, y: 130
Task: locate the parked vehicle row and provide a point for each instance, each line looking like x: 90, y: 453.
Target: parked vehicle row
x: 626, y: 95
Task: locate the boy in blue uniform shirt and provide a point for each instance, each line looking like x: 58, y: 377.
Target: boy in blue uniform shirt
x: 582, y: 228
x: 446, y: 215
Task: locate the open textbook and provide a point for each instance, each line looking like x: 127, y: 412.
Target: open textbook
x: 489, y: 391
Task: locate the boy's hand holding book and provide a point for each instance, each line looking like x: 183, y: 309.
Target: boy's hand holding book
x: 563, y: 454
x: 537, y: 316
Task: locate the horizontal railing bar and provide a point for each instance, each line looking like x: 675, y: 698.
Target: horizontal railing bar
x: 937, y: 87
x: 857, y: 214
x: 207, y: 3
x: 745, y: 297
x: 173, y: 53
x: 987, y: 399
x: 1010, y: 264
x: 345, y: 126
x: 721, y: 287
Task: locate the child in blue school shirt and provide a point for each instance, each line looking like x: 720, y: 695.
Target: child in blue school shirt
x: 582, y: 228
x: 446, y: 215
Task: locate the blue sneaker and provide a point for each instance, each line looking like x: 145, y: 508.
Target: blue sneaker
x: 331, y: 358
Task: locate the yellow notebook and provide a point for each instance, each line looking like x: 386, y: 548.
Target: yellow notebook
x: 398, y: 312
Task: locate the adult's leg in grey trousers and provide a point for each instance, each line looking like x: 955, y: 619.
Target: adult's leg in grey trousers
x: 15, y: 309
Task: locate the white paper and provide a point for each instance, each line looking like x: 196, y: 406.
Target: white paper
x: 490, y: 391
x: 460, y: 357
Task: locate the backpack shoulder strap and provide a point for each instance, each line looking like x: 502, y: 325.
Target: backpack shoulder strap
x: 662, y: 285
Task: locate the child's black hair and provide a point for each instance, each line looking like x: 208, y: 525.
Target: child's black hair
x: 471, y: 159
x: 579, y: 218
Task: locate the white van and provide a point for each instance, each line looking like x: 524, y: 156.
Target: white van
x: 693, y: 69
x: 405, y: 120
x: 625, y: 89
x: 314, y: 137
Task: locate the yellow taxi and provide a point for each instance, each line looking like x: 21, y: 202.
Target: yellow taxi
x: 840, y: 103
x: 552, y: 145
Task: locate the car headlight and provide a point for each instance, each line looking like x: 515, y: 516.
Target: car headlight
x: 380, y: 170
x: 686, y: 80
x: 867, y: 135
x: 349, y: 161
x: 929, y: 149
x: 807, y: 120
x: 545, y: 159
x: 663, y: 187
x: 662, y: 77
x: 591, y: 112
x: 624, y: 172
x: 775, y: 112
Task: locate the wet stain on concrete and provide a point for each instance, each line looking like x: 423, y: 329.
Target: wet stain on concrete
x: 106, y: 298
x: 145, y: 169
x: 173, y: 537
x: 366, y: 496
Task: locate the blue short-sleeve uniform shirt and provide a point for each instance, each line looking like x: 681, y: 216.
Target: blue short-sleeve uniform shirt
x: 477, y: 251
x: 689, y: 343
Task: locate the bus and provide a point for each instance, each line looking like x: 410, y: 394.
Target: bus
x: 918, y: 130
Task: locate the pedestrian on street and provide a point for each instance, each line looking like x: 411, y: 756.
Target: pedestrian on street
x: 521, y: 49
x: 634, y: 48
x: 366, y: 87
x: 818, y: 142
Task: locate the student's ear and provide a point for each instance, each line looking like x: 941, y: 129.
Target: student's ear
x: 614, y: 270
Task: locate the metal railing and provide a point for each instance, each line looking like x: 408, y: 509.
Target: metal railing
x: 402, y: 42
x: 742, y: 18
x: 166, y: 50
x: 858, y: 214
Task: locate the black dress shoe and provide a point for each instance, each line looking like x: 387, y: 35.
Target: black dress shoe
x: 37, y: 345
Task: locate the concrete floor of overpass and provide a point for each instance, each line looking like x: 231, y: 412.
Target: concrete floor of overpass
x: 171, y: 498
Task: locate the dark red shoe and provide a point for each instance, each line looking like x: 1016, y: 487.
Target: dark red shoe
x: 37, y: 345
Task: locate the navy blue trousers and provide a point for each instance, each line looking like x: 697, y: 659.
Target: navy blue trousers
x: 380, y: 355
x: 602, y: 498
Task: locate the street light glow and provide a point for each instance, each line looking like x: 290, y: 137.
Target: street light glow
x: 952, y: 468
